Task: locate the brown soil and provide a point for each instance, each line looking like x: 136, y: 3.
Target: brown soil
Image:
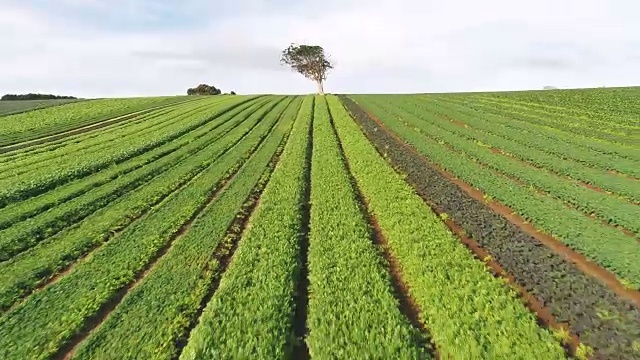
x: 581, y: 262
x: 614, y: 172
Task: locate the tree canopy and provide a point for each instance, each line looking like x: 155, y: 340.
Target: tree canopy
x: 308, y: 60
x: 204, y: 89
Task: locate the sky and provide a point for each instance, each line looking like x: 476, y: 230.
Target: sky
x: 118, y: 48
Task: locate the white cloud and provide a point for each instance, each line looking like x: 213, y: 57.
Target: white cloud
x: 122, y: 48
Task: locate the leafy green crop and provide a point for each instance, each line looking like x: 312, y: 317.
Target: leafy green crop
x: 154, y: 315
x: 42, y: 122
x: 259, y: 285
x: 606, y: 246
x: 352, y: 312
x: 443, y: 277
x: 22, y: 273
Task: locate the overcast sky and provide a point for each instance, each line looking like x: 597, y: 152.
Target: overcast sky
x: 104, y: 48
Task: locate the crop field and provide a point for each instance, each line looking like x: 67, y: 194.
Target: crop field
x: 8, y: 107
x: 424, y: 226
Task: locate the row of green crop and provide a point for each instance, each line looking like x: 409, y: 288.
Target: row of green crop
x: 352, y: 312
x: 9, y: 107
x: 259, y: 285
x: 96, y: 142
x: 150, y: 127
x: 38, y: 327
x: 513, y: 121
x: 25, y: 234
x: 528, y: 135
x: 618, y: 105
x: 470, y: 313
x: 87, y: 147
x: 33, y: 124
x: 562, y: 116
x: 54, y: 143
x: 619, y: 185
x: 616, y: 253
x: 20, y: 275
x: 54, y: 174
x: 606, y: 207
x: 157, y: 313
x: 620, y: 140
x: 573, y: 297
x: 131, y: 169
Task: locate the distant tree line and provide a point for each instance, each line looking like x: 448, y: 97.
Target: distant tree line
x: 31, y: 96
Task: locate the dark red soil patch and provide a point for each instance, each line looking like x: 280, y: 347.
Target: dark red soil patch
x: 579, y: 260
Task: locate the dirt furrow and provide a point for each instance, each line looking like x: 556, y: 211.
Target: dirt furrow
x: 300, y: 329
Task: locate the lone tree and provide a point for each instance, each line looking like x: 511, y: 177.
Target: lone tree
x: 308, y: 60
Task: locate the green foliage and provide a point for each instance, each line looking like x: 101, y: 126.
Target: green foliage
x: 9, y: 107
x: 562, y: 335
x: 584, y: 352
x: 93, y: 282
x: 21, y: 274
x: 438, y: 266
x: 619, y: 253
x: 14, y: 185
x: 23, y: 235
x: 608, y: 208
x: 308, y: 60
x: 32, y: 96
x: 154, y: 314
x: 259, y: 285
x: 56, y: 119
x: 352, y: 312
x: 124, y: 175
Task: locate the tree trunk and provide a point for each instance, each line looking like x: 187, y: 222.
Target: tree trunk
x: 320, y: 87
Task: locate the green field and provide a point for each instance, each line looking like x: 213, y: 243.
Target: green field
x: 461, y: 226
x: 8, y: 107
